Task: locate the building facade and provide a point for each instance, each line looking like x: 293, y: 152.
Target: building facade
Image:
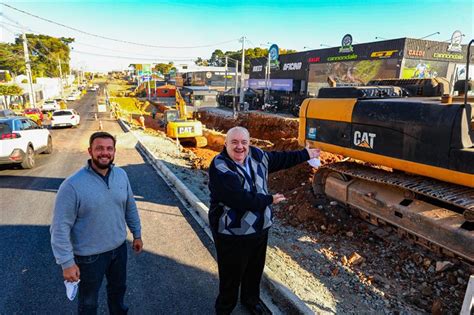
x: 302, y: 74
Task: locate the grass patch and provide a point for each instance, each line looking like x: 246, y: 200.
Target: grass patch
x: 129, y: 104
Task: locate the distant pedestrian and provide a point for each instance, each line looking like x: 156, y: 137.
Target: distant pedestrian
x: 153, y: 112
x: 240, y: 215
x: 93, y: 208
x: 142, y: 121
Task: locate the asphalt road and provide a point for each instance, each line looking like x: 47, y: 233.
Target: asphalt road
x: 176, y: 273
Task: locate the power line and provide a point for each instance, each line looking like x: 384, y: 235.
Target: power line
x: 22, y: 27
x: 128, y: 57
x: 122, y: 51
x: 114, y: 39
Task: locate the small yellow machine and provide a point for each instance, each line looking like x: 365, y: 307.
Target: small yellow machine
x: 179, y: 126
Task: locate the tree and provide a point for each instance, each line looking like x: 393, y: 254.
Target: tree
x: 217, y: 58
x: 7, y: 90
x: 45, y: 53
x: 164, y: 68
x: 11, y: 58
x: 201, y: 62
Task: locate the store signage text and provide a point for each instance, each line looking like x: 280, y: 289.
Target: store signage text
x: 257, y: 68
x: 416, y: 53
x: 314, y: 59
x: 342, y: 58
x: 448, y: 56
x: 383, y: 54
x: 292, y: 66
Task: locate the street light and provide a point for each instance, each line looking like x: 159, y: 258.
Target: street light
x: 382, y: 38
x: 235, y: 78
x: 435, y: 33
x: 324, y: 45
x: 306, y: 47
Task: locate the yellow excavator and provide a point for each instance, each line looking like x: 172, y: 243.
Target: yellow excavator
x: 412, y: 160
x: 179, y: 126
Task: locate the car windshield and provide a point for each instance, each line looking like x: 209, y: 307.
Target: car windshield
x: 62, y: 113
x: 5, y: 128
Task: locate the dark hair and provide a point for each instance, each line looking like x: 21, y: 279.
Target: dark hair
x: 101, y: 134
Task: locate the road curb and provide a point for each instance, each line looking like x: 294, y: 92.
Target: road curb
x: 281, y: 295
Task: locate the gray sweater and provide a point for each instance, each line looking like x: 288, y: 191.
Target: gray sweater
x: 90, y: 216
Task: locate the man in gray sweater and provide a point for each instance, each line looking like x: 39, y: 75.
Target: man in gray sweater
x: 88, y: 232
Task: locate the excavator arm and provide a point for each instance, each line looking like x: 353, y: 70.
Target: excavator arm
x: 181, y: 105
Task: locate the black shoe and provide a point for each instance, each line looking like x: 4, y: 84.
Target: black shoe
x: 255, y: 309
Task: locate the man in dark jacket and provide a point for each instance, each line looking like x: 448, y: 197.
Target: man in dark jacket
x: 240, y: 215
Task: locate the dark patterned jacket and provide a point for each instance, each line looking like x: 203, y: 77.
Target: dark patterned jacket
x: 241, y: 203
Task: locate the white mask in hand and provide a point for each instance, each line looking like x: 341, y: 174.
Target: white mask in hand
x: 71, y: 289
x: 315, y: 162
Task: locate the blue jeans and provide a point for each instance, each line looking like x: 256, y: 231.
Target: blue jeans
x: 112, y: 264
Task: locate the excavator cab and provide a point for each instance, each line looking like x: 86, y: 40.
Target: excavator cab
x: 171, y: 115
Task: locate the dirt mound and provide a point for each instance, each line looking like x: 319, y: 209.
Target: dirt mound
x: 260, y: 125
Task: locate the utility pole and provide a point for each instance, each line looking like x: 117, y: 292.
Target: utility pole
x: 267, y: 79
x: 60, y: 77
x: 225, y: 78
x: 234, y: 99
x: 242, y: 72
x: 28, y: 72
x: 149, y: 87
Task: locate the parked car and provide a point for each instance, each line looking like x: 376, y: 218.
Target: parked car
x: 51, y: 105
x: 250, y: 96
x: 35, y: 114
x: 74, y: 96
x: 7, y: 113
x: 20, y: 139
x: 65, y: 118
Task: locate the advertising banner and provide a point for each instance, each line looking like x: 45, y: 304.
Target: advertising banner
x: 424, y: 69
x: 275, y: 84
x: 351, y: 72
x: 274, y: 54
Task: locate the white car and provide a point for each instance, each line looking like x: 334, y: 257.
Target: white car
x: 20, y: 139
x: 65, y: 118
x: 50, y: 105
x: 74, y: 96
x: 71, y: 97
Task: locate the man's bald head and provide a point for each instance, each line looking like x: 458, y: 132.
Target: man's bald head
x: 237, y: 144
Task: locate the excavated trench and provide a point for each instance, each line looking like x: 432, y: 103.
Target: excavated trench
x: 317, y: 214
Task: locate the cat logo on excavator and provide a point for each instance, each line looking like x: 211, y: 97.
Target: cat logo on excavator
x: 364, y: 139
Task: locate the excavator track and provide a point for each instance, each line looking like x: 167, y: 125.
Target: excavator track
x: 456, y: 195
x: 427, y: 211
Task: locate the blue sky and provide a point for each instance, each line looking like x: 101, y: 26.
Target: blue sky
x: 290, y: 24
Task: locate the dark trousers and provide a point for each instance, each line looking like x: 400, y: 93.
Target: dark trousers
x: 112, y: 264
x: 240, y: 262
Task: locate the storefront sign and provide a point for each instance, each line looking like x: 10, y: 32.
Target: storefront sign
x: 292, y: 66
x: 448, y: 56
x: 383, y: 54
x: 274, y: 84
x: 314, y: 59
x: 257, y: 68
x: 346, y: 44
x: 456, y: 39
x: 416, y: 53
x: 274, y: 54
x: 343, y: 58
